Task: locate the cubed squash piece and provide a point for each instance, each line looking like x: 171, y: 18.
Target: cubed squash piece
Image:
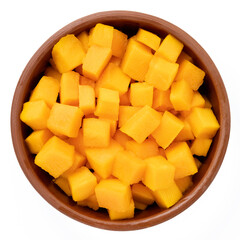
x: 179, y: 154
x: 63, y: 184
x: 186, y: 133
x: 126, y: 112
x: 65, y: 120
x: 124, y: 99
x: 168, y: 129
x: 197, y: 100
x: 184, y: 56
x: 87, y: 81
x: 90, y: 202
x: 142, y: 194
x: 95, y: 61
x: 47, y: 89
x: 69, y: 88
x: 55, y: 157
x: 35, y: 114
x: 86, y: 99
x: 141, y: 94
x: 139, y: 205
x: 101, y: 159
x: 68, y: 53
x: 121, y: 138
x: 113, y: 125
x: 118, y: 215
x: 37, y: 139
x: 203, y: 122
x: 96, y: 132
x: 136, y: 60
x: 52, y: 72
x: 128, y: 168
x: 148, y: 148
x: 159, y: 173
x: 184, y: 183
x: 108, y: 104
x: 190, y: 73
x: 119, y: 43
x: 167, y: 197
x: 113, y: 195
x: 161, y: 100
x: 142, y: 124
x: 148, y: 38
x: 200, y: 146
x: 83, y: 38
x: 170, y: 48
x: 82, y: 183
x: 181, y: 95
x: 161, y: 73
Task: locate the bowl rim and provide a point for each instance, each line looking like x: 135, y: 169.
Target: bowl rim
x: 18, y: 142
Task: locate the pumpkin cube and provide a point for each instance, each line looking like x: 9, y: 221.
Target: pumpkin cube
x: 197, y: 100
x: 47, y: 89
x: 142, y: 194
x: 83, y: 38
x: 124, y: 99
x: 126, y: 112
x: 55, y: 157
x: 170, y: 48
x: 179, y: 154
x: 37, y: 139
x: 90, y: 202
x: 181, y: 95
x: 139, y: 205
x: 87, y: 81
x: 128, y: 168
x: 82, y: 183
x: 203, y: 122
x: 142, y: 124
x: 161, y: 100
x: 159, y: 173
x: 184, y: 183
x: 184, y: 56
x: 86, y: 99
x: 113, y: 195
x: 95, y: 61
x: 52, y: 72
x: 149, y: 39
x: 68, y: 53
x: 190, y: 73
x: 69, y: 88
x: 141, y: 94
x: 167, y: 197
x: 113, y: 125
x: 136, y: 60
x: 200, y: 146
x: 107, y: 104
x: 186, y: 133
x: 168, y: 129
x: 161, y: 73
x: 121, y: 138
x: 35, y: 114
x: 101, y: 159
x: 96, y: 132
x: 119, y: 43
x: 63, y: 184
x: 65, y: 120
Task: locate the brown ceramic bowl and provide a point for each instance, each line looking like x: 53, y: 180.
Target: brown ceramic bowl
x: 213, y: 87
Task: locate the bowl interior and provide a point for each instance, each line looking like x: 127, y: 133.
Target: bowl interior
x: 213, y: 88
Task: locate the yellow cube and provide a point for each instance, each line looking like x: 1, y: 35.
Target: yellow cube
x: 142, y: 194
x: 148, y: 38
x: 168, y: 129
x: 96, y: 132
x: 128, y: 168
x: 181, y: 95
x: 68, y: 53
x: 179, y: 154
x: 186, y: 133
x: 159, y: 173
x: 119, y: 43
x: 37, y: 139
x: 35, y: 114
x: 52, y: 72
x: 113, y: 195
x: 113, y: 125
x: 161, y: 73
x: 86, y: 99
x: 136, y: 60
x: 184, y: 183
x: 190, y: 73
x: 87, y: 81
x: 170, y: 48
x: 161, y: 100
x: 125, y: 113
x: 69, y: 88
x: 101, y: 159
x: 107, y: 104
x: 121, y: 138
x: 139, y: 205
x: 47, y: 89
x: 200, y: 146
x: 166, y: 198
x: 83, y: 38
x: 65, y: 120
x: 142, y: 124
x: 95, y: 61
x: 203, y: 122
x: 55, y: 157
x: 63, y: 184
x: 124, y: 99
x: 82, y: 183
x: 141, y: 94
x: 184, y: 56
x: 90, y: 202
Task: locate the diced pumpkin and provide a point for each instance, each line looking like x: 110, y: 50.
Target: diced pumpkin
x: 125, y: 113
x: 161, y: 100
x: 37, y: 139
x: 113, y: 125
x: 63, y: 184
x: 115, y: 60
x: 200, y: 146
x: 139, y: 205
x: 35, y: 114
x: 90, y: 202
x: 197, y: 100
x: 207, y: 104
x: 83, y: 38
x: 119, y: 43
x: 121, y: 137
x: 184, y: 56
x: 55, y: 157
x: 65, y: 120
x: 82, y: 183
x: 87, y: 81
x: 86, y: 99
x: 124, y: 99
x: 51, y: 72
x: 68, y: 53
x: 142, y: 194
x: 186, y: 133
x: 184, y: 183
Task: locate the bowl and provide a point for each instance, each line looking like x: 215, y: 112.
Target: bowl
x: 214, y: 89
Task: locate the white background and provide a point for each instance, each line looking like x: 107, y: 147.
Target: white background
x: 25, y: 25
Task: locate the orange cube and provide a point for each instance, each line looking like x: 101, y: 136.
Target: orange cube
x: 161, y: 100
x: 184, y: 183
x: 121, y: 138
x: 83, y: 38
x: 119, y: 43
x: 86, y: 99
x: 125, y: 113
x: 87, y: 81
x: 63, y: 184
x: 142, y: 194
x: 52, y: 72
x: 200, y: 146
